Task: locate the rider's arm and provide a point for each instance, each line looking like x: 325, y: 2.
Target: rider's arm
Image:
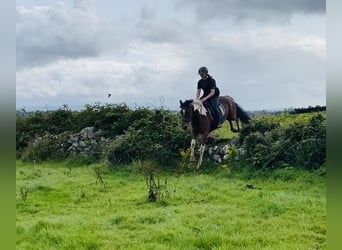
x: 198, y: 92
x: 212, y: 93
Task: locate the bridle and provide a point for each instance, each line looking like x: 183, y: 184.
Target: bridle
x: 186, y: 113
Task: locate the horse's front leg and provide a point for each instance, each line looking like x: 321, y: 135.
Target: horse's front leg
x: 192, y: 152
x: 201, y: 152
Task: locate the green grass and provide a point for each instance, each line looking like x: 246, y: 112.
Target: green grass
x: 284, y: 119
x: 224, y: 131
x: 68, y: 209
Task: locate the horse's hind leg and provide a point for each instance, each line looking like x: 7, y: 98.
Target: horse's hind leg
x: 232, y: 127
x: 237, y: 124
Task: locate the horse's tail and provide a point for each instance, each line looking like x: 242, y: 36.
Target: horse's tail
x: 242, y: 115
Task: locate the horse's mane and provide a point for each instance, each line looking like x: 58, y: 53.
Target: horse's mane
x: 198, y: 106
x: 188, y: 102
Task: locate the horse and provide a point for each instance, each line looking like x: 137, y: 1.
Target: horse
x: 195, y: 115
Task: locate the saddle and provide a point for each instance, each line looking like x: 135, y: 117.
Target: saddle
x: 206, y: 109
x: 210, y: 111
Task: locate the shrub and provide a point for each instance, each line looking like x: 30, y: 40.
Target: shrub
x: 134, y: 134
x: 306, y: 143
x: 113, y: 119
x: 301, y: 144
x: 159, y: 139
x: 260, y: 143
x: 47, y: 147
x: 145, y: 134
x: 258, y: 125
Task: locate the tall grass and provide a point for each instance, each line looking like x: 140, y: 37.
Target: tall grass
x: 69, y: 208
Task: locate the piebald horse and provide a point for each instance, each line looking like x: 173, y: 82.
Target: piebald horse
x: 196, y: 115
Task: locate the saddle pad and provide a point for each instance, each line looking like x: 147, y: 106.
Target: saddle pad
x: 221, y: 111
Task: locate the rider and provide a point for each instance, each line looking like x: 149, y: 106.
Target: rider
x: 210, y: 93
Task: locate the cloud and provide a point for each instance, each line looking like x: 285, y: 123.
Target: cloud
x: 268, y: 39
x: 45, y: 34
x: 85, y: 5
x: 147, y: 12
x: 159, y: 32
x: 77, y: 55
x: 151, y: 26
x: 261, y: 10
x: 80, y: 78
x: 88, y: 81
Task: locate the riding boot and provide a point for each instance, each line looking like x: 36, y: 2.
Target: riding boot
x: 219, y: 125
x: 216, y: 117
x: 218, y: 122
x: 216, y: 113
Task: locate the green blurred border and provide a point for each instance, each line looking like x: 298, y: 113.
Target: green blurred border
x: 334, y: 138
x: 7, y: 124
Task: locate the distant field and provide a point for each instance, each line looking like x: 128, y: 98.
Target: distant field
x: 283, y: 118
x: 61, y: 208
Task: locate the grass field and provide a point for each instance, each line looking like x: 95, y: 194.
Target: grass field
x: 69, y: 208
x: 284, y: 119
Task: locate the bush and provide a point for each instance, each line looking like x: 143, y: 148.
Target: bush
x: 302, y: 144
x: 138, y: 134
x: 47, y: 147
x: 306, y: 143
x: 259, y: 140
x: 123, y: 136
x: 159, y: 139
x: 113, y: 119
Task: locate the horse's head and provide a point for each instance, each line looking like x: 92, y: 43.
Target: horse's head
x: 186, y: 112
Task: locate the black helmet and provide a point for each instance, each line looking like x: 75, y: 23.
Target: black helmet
x: 203, y: 69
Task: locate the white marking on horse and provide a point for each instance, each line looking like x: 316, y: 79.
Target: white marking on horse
x: 198, y: 105
x: 202, y: 148
x: 192, y: 152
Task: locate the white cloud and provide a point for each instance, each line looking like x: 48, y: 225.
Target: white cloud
x: 77, y: 55
x: 85, y: 5
x: 45, y: 34
x: 267, y: 39
x: 79, y: 78
x: 312, y: 44
x: 88, y: 81
x: 261, y: 10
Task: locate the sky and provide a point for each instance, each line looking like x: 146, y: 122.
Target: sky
x: 266, y: 54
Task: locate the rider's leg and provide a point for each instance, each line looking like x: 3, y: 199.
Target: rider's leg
x: 214, y: 103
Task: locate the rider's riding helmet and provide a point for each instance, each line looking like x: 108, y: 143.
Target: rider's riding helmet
x: 203, y: 70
